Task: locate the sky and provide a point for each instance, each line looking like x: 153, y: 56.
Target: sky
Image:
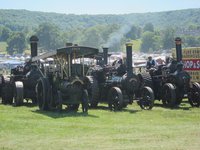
x: 99, y: 6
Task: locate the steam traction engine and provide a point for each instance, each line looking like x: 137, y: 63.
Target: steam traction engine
x: 117, y: 85
x: 22, y: 81
x: 62, y: 81
x: 170, y: 82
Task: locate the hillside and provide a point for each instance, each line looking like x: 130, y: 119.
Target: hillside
x: 23, y: 19
x: 154, y: 31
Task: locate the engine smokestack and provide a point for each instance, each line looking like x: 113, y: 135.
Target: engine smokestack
x: 34, y: 46
x: 129, y: 59
x: 68, y: 44
x: 105, y: 55
x: 178, y: 49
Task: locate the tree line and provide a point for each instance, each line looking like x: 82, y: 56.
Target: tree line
x: 152, y: 31
x: 113, y: 36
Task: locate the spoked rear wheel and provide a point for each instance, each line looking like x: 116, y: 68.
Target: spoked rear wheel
x: 42, y: 91
x: 85, y: 101
x: 194, y: 95
x: 59, y: 101
x: 168, y: 95
x: 115, y: 99
x: 179, y: 95
x: 94, y: 94
x: 147, y: 100
x: 93, y: 91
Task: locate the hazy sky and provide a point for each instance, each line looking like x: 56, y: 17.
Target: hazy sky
x: 99, y: 6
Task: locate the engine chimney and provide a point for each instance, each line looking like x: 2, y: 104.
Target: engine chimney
x: 129, y: 59
x: 105, y: 55
x: 68, y: 44
x: 33, y: 40
x: 178, y: 49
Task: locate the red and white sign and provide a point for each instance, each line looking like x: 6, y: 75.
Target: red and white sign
x: 191, y: 64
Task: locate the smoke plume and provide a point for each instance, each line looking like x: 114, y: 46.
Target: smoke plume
x: 115, y: 38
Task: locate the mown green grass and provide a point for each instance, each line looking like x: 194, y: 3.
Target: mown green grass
x: 28, y: 128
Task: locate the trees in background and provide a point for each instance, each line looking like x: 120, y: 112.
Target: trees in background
x: 168, y: 38
x: 16, y: 43
x: 192, y: 41
x: 49, y: 36
x: 148, y: 27
x: 4, y: 33
x: 91, y: 37
x: 148, y: 42
x: 134, y: 33
x: 54, y: 30
x: 114, y: 36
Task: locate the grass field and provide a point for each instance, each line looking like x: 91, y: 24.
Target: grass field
x: 28, y: 128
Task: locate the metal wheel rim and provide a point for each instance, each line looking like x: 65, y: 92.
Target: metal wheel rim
x: 147, y: 100
x: 115, y: 98
x: 169, y: 95
x: 194, y: 95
